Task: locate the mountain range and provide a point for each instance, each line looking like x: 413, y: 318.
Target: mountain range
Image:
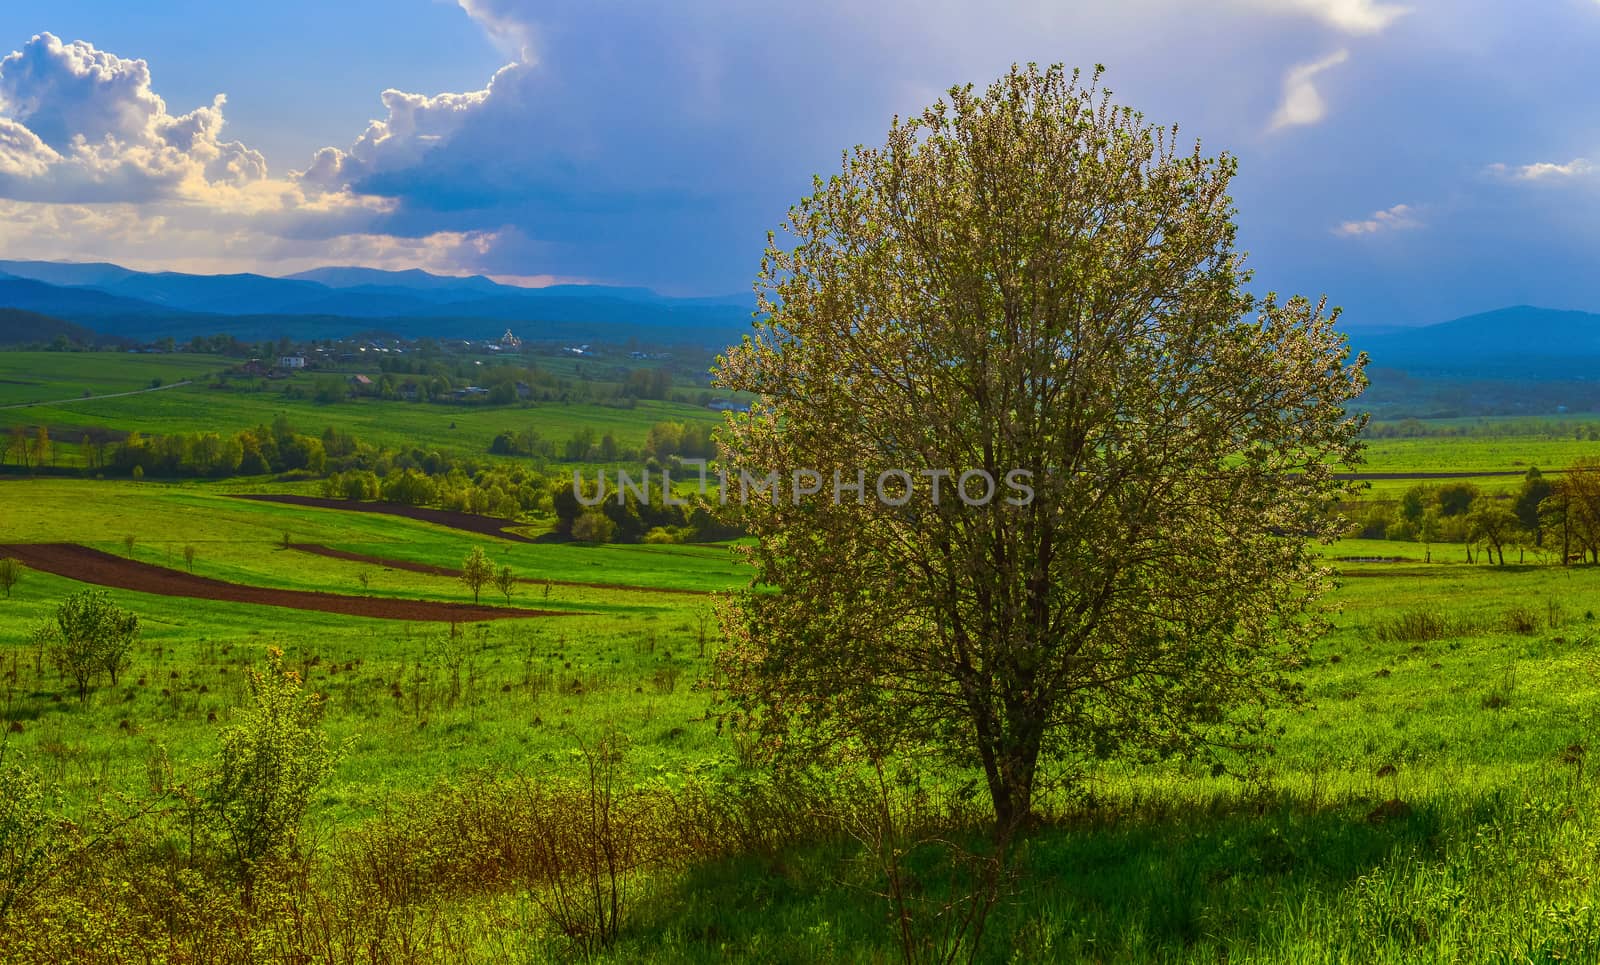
x: 120, y: 302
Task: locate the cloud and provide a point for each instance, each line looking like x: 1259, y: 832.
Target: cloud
x: 512, y: 33
x: 1349, y: 16
x: 415, y: 124
x: 1302, y: 102
x: 81, y: 124
x: 1545, y: 170
x: 1401, y: 217
x: 180, y: 236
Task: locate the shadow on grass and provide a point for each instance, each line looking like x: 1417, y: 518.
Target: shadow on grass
x: 1102, y: 887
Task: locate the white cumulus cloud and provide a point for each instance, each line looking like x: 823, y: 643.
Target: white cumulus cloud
x: 416, y: 123
x: 81, y: 124
x: 1398, y: 218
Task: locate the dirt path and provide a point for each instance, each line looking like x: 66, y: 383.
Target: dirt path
x: 432, y: 570
x: 103, y: 569
x: 96, y: 398
x: 467, y: 522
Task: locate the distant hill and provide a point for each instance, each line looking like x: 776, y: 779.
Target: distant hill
x: 412, y: 280
x: 72, y: 303
x: 18, y: 327
x: 1521, y: 340
x: 66, y: 273
x: 337, y: 301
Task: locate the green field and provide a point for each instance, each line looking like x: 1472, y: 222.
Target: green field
x: 1430, y: 801
x: 29, y: 377
x: 463, y: 429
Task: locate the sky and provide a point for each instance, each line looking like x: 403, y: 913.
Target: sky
x: 1413, y: 161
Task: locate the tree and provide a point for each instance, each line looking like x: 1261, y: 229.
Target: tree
x: 270, y: 762
x: 477, y: 571
x: 1535, y: 489
x: 1414, y: 504
x: 1580, y: 489
x: 506, y: 582
x: 188, y: 556
x: 128, y: 542
x: 1428, y: 528
x: 1493, y: 523
x: 1028, y: 295
x: 10, y: 574
x: 90, y: 635
x: 593, y: 526
x: 1455, y: 499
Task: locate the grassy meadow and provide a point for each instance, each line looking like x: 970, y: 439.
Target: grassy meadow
x: 28, y: 377
x: 1431, y: 800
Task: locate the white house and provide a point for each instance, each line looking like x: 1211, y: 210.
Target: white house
x: 292, y: 362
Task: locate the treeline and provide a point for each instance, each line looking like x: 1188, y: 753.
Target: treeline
x: 1498, y: 428
x: 1555, y: 518
x: 665, y: 441
x: 506, y: 492
x: 511, y: 491
x: 278, y: 448
x: 622, y: 516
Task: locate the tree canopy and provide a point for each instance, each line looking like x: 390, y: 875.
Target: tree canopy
x: 1028, y: 280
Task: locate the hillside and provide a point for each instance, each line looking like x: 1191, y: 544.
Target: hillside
x: 1523, y: 341
x: 18, y: 327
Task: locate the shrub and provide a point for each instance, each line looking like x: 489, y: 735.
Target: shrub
x: 90, y: 636
x: 593, y: 526
x: 10, y: 574
x: 1416, y: 626
x: 28, y: 843
x: 268, y: 765
x: 477, y: 572
x: 1523, y: 620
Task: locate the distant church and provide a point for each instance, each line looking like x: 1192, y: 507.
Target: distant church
x: 509, y: 342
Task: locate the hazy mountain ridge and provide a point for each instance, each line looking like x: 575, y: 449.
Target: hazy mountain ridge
x: 1519, y: 341
x: 119, y: 302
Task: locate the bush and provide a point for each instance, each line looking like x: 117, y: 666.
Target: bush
x: 269, y: 764
x: 90, y: 636
x: 1416, y: 626
x: 27, y: 839
x: 593, y: 526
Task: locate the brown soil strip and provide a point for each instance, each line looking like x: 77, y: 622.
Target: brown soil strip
x: 432, y: 570
x: 103, y: 569
x: 482, y: 525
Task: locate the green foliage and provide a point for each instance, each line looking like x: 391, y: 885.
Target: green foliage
x: 477, y: 572
x: 90, y: 636
x: 506, y: 582
x: 10, y: 574
x: 270, y: 761
x: 1455, y: 499
x: 1147, y: 590
x: 594, y: 527
x: 29, y: 846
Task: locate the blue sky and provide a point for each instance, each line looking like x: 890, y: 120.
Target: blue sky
x: 1413, y: 161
